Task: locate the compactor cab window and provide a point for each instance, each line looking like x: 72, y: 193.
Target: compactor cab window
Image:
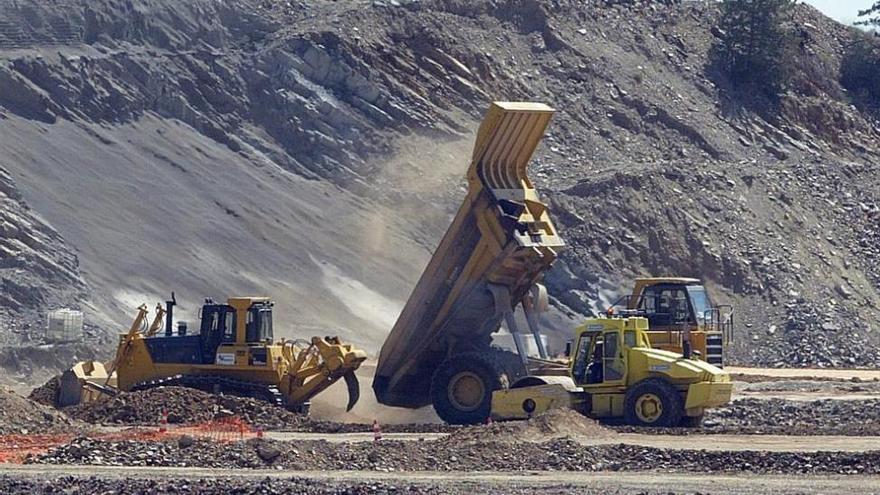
x: 582, y: 358
x: 612, y: 357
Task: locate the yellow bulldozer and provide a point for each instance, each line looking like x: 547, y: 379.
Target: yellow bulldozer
x: 234, y: 352
x: 490, y: 263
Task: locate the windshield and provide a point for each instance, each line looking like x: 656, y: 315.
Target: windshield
x: 700, y: 302
x: 259, y: 324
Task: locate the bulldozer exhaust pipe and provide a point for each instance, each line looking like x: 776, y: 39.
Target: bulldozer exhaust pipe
x: 169, y: 316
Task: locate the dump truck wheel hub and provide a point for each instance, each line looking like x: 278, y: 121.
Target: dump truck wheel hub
x: 466, y: 391
x: 649, y: 408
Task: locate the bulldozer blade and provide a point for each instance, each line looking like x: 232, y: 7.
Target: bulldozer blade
x: 354, y: 389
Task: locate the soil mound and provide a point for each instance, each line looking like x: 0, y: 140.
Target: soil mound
x: 555, y: 423
x: 19, y: 415
x: 47, y: 393
x: 183, y: 406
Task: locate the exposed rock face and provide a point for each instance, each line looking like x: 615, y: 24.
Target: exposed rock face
x: 38, y: 271
x: 650, y: 167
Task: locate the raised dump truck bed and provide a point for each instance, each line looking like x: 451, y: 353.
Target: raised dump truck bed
x: 489, y: 261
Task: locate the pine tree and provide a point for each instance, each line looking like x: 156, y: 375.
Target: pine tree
x: 871, y: 15
x: 860, y: 67
x: 753, y: 43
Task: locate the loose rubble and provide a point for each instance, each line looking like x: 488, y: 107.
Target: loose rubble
x: 20, y: 416
x: 224, y: 485
x: 188, y: 406
x: 556, y: 423
x: 773, y: 416
x: 450, y: 455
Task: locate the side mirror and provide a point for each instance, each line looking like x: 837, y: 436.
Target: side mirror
x: 568, y: 348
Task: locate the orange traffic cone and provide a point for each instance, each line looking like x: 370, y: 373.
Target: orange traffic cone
x: 377, y: 431
x: 163, y: 422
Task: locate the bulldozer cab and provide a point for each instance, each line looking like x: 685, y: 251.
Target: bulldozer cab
x: 242, y: 321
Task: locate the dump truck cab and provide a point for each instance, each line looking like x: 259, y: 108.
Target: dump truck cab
x: 679, y: 310
x: 615, y: 373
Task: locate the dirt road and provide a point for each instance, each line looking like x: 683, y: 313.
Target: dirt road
x: 718, y: 442
x: 602, y: 482
x: 806, y: 373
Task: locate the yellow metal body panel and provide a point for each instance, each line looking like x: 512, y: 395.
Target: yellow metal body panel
x: 703, y: 395
x: 512, y: 403
x: 607, y: 405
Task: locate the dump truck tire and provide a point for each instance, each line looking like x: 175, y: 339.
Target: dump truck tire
x: 653, y: 402
x: 461, y: 388
x: 692, y: 421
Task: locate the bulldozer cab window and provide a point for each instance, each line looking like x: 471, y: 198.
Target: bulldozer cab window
x: 228, y: 319
x: 259, y: 324
x: 613, y: 363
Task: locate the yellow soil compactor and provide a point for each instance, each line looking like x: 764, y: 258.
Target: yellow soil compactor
x: 614, y: 373
x: 490, y: 262
x: 233, y: 352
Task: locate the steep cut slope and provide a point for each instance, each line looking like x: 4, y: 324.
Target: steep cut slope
x: 314, y: 151
x: 38, y: 271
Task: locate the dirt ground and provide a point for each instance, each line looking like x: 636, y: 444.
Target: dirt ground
x: 34, y: 477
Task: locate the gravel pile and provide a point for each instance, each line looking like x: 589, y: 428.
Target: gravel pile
x: 183, y: 405
x: 829, y: 417
x: 556, y: 423
x: 783, y: 417
x: 19, y: 415
x: 187, y: 406
x: 223, y: 486
x: 449, y: 455
x: 47, y: 393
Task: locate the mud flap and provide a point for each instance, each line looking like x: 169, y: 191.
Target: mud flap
x: 354, y: 389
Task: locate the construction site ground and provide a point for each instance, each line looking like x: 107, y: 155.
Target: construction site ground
x: 788, y: 431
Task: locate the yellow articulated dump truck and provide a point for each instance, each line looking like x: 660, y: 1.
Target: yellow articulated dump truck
x: 489, y: 263
x: 681, y: 316
x: 233, y: 352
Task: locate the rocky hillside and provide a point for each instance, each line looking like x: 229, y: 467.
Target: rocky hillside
x: 314, y: 151
x: 38, y: 270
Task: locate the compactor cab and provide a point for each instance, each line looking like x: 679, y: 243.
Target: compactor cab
x: 681, y: 317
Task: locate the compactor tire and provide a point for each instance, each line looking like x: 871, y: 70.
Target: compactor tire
x: 648, y: 393
x: 462, y: 386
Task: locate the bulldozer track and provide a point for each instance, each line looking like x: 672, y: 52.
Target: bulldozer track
x: 216, y: 383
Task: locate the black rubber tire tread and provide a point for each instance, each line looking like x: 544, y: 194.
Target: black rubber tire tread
x: 691, y: 421
x: 673, y: 406
x: 513, y: 365
x: 489, y: 365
